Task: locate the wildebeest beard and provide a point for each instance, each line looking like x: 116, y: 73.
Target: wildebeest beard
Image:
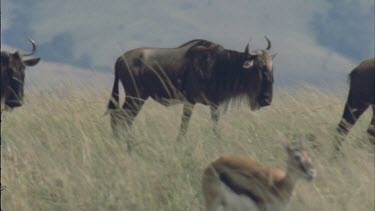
x: 234, y: 85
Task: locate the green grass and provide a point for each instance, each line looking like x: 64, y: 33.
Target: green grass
x: 58, y: 152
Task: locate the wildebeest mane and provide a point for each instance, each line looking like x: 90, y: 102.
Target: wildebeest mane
x: 199, y: 42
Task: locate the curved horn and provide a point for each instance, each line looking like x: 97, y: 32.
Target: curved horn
x: 33, y: 50
x: 247, y: 48
x: 268, y: 43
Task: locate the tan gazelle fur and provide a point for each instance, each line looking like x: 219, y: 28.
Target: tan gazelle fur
x: 238, y: 183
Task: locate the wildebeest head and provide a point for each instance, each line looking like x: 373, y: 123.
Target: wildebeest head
x: 260, y: 61
x: 13, y: 75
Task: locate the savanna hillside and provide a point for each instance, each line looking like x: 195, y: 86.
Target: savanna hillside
x: 57, y: 151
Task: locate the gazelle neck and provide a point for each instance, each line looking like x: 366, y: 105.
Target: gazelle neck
x: 286, y: 186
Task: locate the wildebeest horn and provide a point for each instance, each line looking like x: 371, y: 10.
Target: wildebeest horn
x: 268, y: 42
x: 33, y: 51
x: 247, y: 48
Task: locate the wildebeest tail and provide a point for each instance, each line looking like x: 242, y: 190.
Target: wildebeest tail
x: 114, y: 101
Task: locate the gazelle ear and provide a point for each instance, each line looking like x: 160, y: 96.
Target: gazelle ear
x: 283, y: 140
x: 302, y: 144
x: 286, y: 145
x: 248, y: 64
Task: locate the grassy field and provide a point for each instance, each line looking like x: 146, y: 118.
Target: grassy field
x: 58, y: 152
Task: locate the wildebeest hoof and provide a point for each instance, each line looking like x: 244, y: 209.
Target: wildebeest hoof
x: 338, y: 145
x: 217, y: 135
x: 339, y: 138
x: 372, y: 139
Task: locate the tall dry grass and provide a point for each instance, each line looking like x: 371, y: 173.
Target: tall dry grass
x: 58, y: 152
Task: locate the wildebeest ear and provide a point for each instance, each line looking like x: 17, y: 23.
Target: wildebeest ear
x: 31, y: 62
x: 273, y: 55
x: 248, y: 64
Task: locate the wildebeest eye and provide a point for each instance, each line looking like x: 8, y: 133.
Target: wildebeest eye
x: 248, y: 64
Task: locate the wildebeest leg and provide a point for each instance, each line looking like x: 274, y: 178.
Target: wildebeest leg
x: 354, y: 108
x: 215, y: 118
x: 131, y: 108
x: 117, y: 121
x: 371, y: 128
x: 187, y: 112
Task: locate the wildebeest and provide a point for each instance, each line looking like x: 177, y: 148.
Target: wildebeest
x: 13, y: 75
x: 198, y: 71
x: 361, y: 96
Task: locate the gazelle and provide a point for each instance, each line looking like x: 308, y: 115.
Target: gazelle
x: 238, y: 183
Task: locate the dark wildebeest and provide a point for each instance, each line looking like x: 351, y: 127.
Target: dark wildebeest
x: 198, y: 71
x: 361, y: 96
x: 13, y: 75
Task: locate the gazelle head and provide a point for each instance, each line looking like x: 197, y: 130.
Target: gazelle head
x: 300, y: 162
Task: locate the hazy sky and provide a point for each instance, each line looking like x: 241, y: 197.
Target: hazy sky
x: 316, y: 41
